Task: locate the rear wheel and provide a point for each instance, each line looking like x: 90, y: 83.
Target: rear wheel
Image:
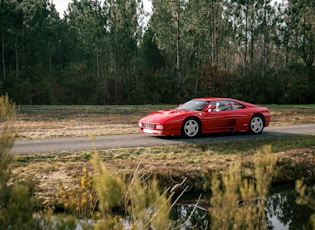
x: 256, y: 124
x: 191, y: 127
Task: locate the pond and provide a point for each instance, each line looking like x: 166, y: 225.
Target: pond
x: 282, y: 211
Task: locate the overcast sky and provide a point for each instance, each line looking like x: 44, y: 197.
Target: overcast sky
x: 62, y: 5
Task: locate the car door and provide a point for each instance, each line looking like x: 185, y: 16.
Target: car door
x: 220, y: 117
x: 242, y: 116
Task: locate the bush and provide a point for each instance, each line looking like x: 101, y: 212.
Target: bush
x: 7, y: 112
x: 239, y: 203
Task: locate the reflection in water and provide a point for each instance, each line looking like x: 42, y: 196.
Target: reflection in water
x: 282, y: 212
x: 190, y: 216
x: 285, y: 213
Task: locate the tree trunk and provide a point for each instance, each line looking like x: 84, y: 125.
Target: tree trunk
x: 179, y: 70
x: 3, y: 55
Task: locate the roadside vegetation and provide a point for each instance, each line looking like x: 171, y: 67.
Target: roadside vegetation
x: 101, y: 187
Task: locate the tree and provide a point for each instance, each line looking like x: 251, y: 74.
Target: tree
x: 167, y: 25
x: 90, y: 22
x: 10, y: 30
x: 123, y: 36
x: 206, y: 33
x: 302, y: 22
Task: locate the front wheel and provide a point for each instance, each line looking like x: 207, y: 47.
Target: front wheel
x: 191, y: 128
x: 256, y: 124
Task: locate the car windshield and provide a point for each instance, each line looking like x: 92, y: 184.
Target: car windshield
x: 196, y: 105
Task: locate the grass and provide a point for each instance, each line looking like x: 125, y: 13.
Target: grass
x: 292, y: 114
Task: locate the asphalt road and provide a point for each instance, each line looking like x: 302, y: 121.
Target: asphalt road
x: 144, y: 140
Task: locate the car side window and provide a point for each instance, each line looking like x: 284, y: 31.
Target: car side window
x: 236, y: 105
x: 221, y: 105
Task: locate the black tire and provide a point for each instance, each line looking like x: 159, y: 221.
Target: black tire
x: 191, y: 128
x: 256, y: 124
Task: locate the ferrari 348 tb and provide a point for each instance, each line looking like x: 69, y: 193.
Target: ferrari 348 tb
x: 207, y: 115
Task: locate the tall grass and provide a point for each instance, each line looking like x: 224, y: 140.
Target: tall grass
x: 16, y: 197
x: 141, y: 198
x: 81, y: 202
x: 123, y: 203
x: 239, y: 203
x: 7, y: 112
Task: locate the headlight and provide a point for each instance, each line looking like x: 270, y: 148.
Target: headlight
x: 159, y: 127
x: 140, y: 124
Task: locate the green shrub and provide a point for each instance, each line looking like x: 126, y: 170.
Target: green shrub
x: 306, y: 196
x: 16, y: 198
x: 7, y: 112
x: 239, y: 203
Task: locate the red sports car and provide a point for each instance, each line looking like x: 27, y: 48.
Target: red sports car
x: 207, y: 115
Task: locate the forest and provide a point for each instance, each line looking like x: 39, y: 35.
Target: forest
x: 116, y: 52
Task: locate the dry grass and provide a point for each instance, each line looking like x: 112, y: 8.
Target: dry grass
x: 290, y: 115
x: 80, y: 126
x: 45, y: 122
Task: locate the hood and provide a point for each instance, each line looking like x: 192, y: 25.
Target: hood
x: 165, y: 115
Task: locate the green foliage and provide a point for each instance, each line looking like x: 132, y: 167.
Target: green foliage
x: 66, y: 222
x: 239, y: 203
x: 20, y: 207
x: 7, y: 112
x: 105, y: 54
x: 306, y: 196
x: 16, y: 198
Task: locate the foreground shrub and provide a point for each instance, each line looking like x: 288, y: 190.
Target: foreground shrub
x: 144, y: 204
x: 7, y: 112
x: 16, y: 198
x: 80, y: 202
x: 239, y: 203
x: 306, y: 196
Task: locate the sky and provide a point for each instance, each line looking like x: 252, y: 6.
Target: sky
x: 62, y: 5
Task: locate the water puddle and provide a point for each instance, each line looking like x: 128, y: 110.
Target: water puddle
x: 281, y: 210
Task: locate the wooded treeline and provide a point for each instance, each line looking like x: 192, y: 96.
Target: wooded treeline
x: 111, y: 52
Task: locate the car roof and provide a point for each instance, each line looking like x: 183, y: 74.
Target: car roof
x: 247, y: 104
x: 213, y: 98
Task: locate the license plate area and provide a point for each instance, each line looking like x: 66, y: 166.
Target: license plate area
x: 148, y: 126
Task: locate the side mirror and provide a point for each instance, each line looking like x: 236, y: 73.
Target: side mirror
x: 211, y: 108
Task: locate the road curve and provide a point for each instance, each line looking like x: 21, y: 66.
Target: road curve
x: 144, y: 140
